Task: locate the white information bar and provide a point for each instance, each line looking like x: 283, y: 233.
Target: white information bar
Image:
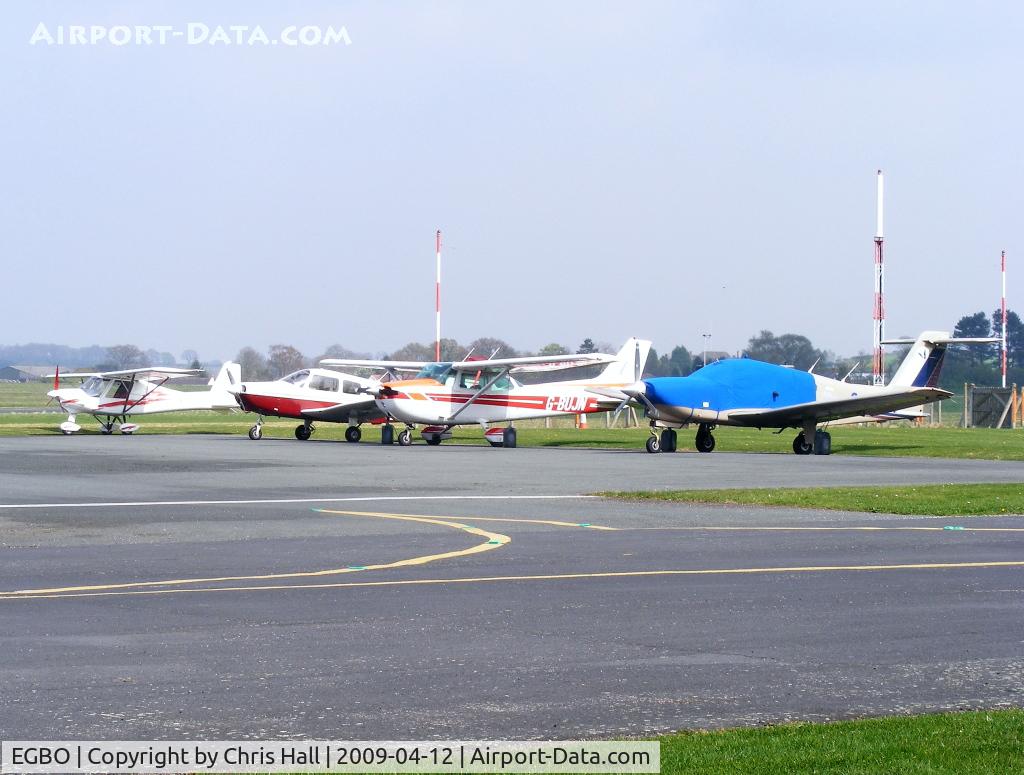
x: 284, y: 756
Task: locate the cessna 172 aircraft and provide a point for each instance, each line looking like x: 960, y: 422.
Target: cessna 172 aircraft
x: 443, y: 395
x: 113, y: 396
x: 754, y: 394
x: 311, y: 395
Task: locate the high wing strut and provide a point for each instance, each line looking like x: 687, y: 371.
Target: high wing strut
x: 480, y: 392
x: 143, y: 397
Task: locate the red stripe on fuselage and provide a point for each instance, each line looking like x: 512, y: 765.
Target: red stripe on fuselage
x: 277, y: 406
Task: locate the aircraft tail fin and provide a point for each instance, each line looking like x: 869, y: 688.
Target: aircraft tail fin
x: 230, y: 374
x: 923, y: 364
x: 629, y: 362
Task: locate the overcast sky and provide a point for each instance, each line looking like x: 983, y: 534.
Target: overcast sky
x: 598, y: 169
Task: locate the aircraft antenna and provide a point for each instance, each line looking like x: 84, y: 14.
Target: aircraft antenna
x: 437, y: 302
x: 1002, y: 343
x: 878, y: 366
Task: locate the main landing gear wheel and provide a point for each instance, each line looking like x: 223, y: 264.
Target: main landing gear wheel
x: 433, y: 441
x: 256, y: 432
x: 405, y: 438
x: 303, y: 432
x: 801, y: 446
x: 353, y: 434
x: 668, y: 440
x: 653, y: 444
x: 705, y: 441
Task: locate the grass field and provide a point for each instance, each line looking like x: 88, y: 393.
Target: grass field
x: 933, y: 499
x: 963, y: 743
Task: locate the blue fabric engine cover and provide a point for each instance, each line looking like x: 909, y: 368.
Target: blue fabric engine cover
x: 738, y: 383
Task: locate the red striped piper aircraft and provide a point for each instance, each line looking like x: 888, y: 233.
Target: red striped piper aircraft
x: 311, y: 395
x: 485, y: 391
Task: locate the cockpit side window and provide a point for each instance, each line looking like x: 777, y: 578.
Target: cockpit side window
x: 121, y: 390
x: 477, y: 379
x: 321, y: 382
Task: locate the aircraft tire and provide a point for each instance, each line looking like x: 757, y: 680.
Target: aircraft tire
x: 353, y: 434
x: 255, y: 433
x: 705, y: 442
x: 668, y: 440
x: 800, y: 446
x: 509, y: 438
x: 434, y: 441
x: 302, y: 433
x: 405, y: 438
x: 653, y: 444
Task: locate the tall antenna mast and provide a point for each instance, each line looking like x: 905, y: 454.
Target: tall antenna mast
x: 878, y: 365
x: 1002, y: 344
x: 437, y: 302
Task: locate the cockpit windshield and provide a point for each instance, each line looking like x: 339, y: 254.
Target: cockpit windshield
x: 93, y: 386
x: 296, y: 376
x: 437, y: 371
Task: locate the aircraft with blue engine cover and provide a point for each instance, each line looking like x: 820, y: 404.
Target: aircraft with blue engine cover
x: 753, y: 394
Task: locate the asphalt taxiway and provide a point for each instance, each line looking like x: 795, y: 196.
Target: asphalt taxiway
x: 176, y: 587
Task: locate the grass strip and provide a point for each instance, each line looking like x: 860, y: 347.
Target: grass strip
x: 963, y: 743
x: 962, y: 500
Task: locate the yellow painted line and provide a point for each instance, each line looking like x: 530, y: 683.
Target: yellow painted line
x: 555, y: 522
x: 494, y: 541
x: 544, y: 577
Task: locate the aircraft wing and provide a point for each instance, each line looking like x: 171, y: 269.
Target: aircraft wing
x: 161, y: 371
x: 823, y: 411
x: 365, y: 410
x: 369, y: 364
x: 74, y: 375
x: 538, y: 362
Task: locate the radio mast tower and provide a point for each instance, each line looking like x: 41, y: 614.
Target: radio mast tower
x: 1002, y: 344
x: 878, y: 362
x: 437, y: 302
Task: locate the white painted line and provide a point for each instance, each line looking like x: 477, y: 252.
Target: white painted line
x: 121, y: 504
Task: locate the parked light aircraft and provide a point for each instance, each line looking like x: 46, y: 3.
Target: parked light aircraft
x: 311, y: 395
x: 443, y: 395
x: 114, y: 396
x: 754, y: 394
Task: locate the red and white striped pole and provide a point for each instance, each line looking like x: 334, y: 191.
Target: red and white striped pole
x: 1002, y: 357
x: 437, y: 302
x: 878, y: 360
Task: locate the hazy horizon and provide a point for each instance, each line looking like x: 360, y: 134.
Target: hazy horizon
x: 598, y: 169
